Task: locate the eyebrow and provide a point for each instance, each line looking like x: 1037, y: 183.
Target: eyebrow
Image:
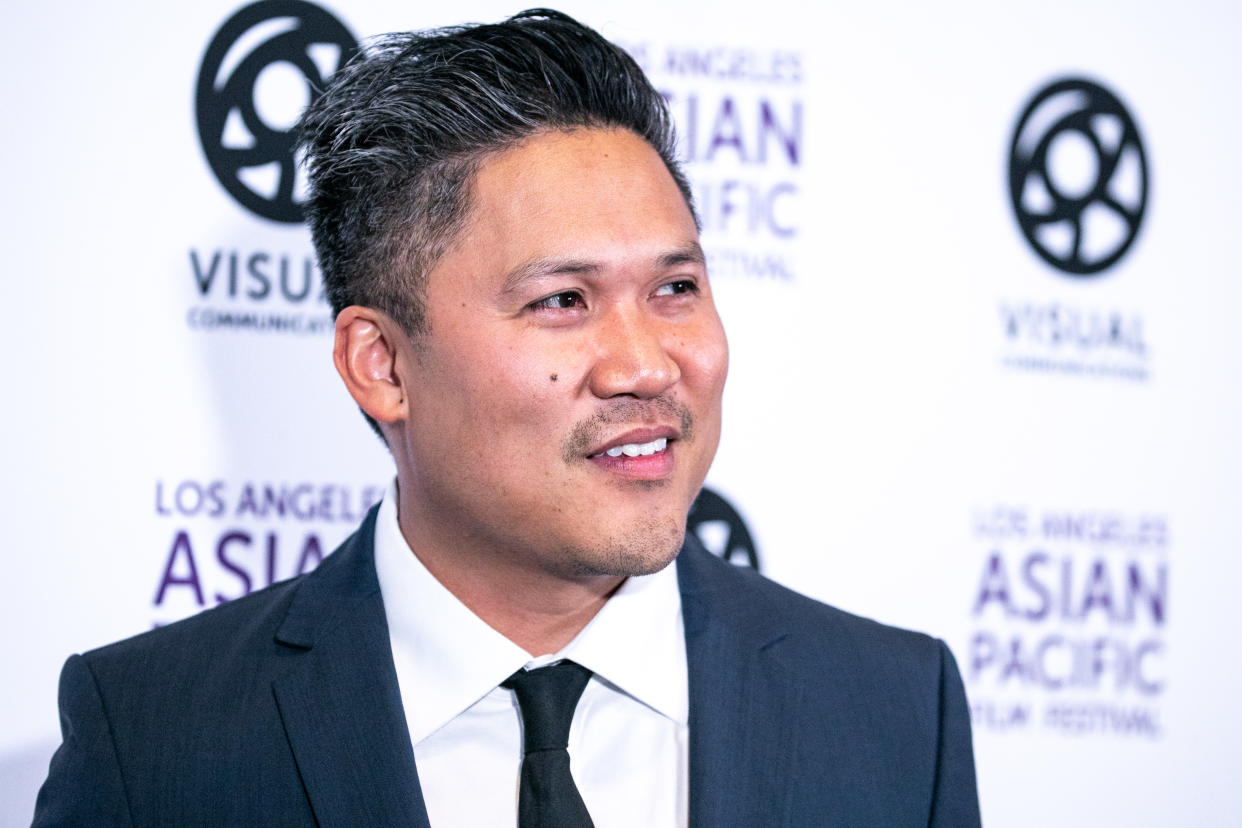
x: 689, y: 253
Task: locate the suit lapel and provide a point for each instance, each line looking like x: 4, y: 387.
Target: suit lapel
x: 340, y: 703
x: 342, y: 711
x: 742, y: 699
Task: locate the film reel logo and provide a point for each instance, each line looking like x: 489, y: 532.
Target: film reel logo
x: 260, y: 70
x: 1078, y: 177
x: 720, y: 527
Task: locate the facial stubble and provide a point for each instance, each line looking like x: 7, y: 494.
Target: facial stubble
x: 651, y: 544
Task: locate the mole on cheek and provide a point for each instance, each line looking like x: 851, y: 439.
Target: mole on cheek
x: 552, y: 377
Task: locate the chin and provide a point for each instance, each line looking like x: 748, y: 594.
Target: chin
x: 641, y: 551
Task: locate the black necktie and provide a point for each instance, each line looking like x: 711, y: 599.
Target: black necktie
x: 548, y: 797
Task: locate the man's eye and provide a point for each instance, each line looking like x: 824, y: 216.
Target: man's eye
x: 678, y: 288
x: 560, y: 301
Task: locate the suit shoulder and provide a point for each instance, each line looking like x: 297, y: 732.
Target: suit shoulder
x: 816, y: 625
x: 239, y: 625
x: 236, y: 644
x: 864, y: 631
x: 878, y: 709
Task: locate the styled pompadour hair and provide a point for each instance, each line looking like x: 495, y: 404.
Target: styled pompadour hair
x: 391, y: 145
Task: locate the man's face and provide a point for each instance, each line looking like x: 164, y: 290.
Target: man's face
x: 565, y: 402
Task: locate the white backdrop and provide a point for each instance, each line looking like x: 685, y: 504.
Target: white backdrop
x: 926, y: 422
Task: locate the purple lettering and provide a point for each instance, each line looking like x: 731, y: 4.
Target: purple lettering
x: 1031, y: 579
x: 230, y: 565
x: 312, y: 554
x: 994, y: 586
x: 181, y: 544
x: 789, y: 138
x: 1098, y: 592
x: 726, y: 132
x: 1155, y: 596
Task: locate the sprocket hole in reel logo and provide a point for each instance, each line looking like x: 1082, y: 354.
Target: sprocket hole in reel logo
x: 1079, y: 186
x: 722, y: 531
x: 1078, y: 177
x: 259, y: 71
x: 258, y: 74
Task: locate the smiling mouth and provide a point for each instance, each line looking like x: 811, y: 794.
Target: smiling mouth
x: 630, y: 434
x: 656, y: 446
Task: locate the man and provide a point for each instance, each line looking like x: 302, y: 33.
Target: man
x: 524, y: 315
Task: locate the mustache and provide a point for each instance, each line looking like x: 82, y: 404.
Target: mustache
x: 590, y: 432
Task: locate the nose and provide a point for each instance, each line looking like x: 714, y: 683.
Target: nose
x: 632, y: 357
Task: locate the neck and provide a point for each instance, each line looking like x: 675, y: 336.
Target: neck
x: 540, y: 611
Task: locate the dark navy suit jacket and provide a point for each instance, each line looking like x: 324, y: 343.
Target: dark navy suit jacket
x: 282, y: 708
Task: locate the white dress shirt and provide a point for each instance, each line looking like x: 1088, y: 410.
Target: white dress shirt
x: 629, y: 740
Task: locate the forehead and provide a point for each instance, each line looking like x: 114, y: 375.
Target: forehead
x: 586, y: 192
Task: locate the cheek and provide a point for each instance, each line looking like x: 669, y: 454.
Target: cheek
x: 516, y: 386
x: 705, y: 362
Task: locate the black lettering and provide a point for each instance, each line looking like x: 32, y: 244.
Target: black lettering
x: 201, y: 279
x: 258, y: 275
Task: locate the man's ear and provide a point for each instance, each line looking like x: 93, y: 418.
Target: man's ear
x: 366, y: 353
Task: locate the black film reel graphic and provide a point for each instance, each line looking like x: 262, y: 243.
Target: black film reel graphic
x: 710, y: 508
x: 252, y: 158
x: 1080, y: 230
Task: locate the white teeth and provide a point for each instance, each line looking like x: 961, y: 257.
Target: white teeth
x: 635, y: 449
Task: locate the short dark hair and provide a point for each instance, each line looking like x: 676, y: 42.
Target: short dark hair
x: 392, y: 143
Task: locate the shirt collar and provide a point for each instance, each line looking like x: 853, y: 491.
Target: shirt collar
x: 636, y: 643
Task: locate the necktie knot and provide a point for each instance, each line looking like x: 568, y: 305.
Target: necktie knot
x: 547, y: 697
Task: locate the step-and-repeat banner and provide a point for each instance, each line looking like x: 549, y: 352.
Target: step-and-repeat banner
x: 981, y: 271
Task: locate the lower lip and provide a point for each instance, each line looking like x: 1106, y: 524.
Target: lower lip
x: 643, y: 467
